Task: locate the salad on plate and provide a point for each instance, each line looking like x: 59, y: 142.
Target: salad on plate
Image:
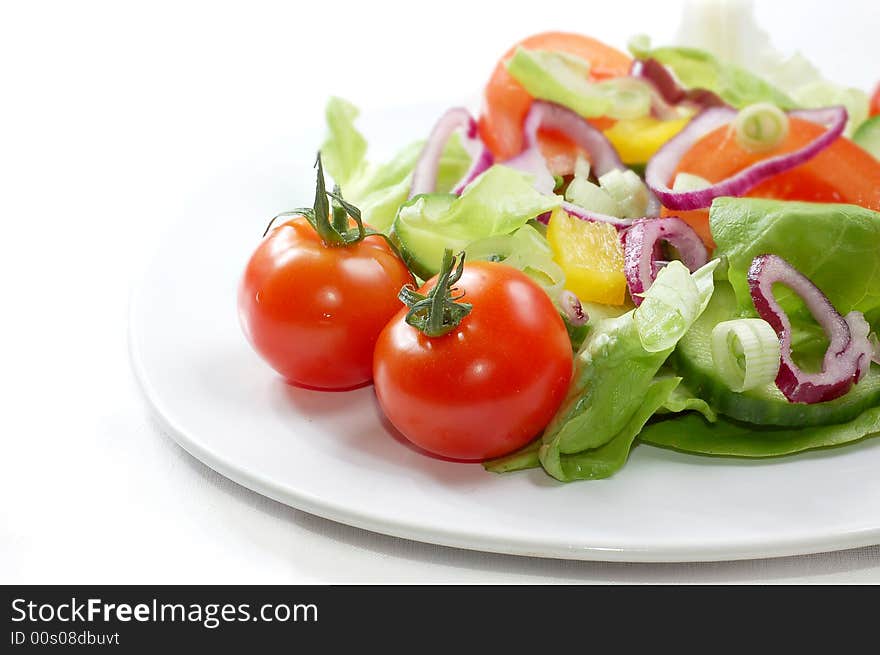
x: 669, y: 246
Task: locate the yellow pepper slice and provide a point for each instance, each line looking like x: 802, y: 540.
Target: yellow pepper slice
x: 637, y: 139
x: 591, y: 256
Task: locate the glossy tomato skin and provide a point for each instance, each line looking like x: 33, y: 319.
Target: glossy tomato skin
x: 875, y: 101
x: 488, y: 387
x: 314, y: 312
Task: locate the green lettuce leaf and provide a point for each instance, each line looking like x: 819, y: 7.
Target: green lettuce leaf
x: 676, y: 300
x: 730, y: 31
x: 379, y: 190
x: 560, y: 78
x: 605, y: 460
x: 601, y: 462
x: 614, y: 372
x: 682, y: 400
x: 699, y: 69
x: 565, y: 79
x: 520, y: 460
x: 344, y: 149
x: 527, y: 250
x: 837, y: 246
x: 693, y: 434
x: 500, y: 201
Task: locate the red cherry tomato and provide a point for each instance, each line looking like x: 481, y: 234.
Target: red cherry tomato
x: 875, y: 102
x: 490, y: 385
x: 314, y: 312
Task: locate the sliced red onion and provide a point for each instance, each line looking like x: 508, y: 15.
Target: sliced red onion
x: 586, y: 215
x: 641, y: 251
x: 860, y: 330
x: 424, y: 179
x: 603, y: 156
x: 849, y: 351
x: 670, y: 93
x: 481, y: 163
x: 573, y: 309
x: 662, y: 165
x: 550, y: 116
x: 531, y: 161
x: 595, y: 217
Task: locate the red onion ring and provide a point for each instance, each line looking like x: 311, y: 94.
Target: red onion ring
x: 424, y: 178
x: 603, y: 156
x: 480, y: 163
x: 861, y: 330
x: 531, y: 161
x: 669, y: 93
x: 640, y: 251
x: 593, y: 217
x: 663, y: 164
x: 548, y: 115
x: 849, y: 351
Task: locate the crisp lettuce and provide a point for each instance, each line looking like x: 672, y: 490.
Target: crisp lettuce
x: 693, y: 434
x: 564, y: 79
x: 676, y: 300
x: 836, y: 246
x: 498, y: 202
x: 527, y: 250
x: 616, y: 388
x: 606, y: 459
x: 560, y: 78
x: 379, y: 190
x: 344, y: 149
x: 700, y: 69
x: 683, y: 399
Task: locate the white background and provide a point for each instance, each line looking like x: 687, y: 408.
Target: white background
x: 113, y: 116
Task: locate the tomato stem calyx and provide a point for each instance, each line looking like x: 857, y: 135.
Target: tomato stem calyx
x: 329, y: 215
x: 439, y: 312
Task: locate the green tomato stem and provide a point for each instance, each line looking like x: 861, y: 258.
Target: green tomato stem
x: 439, y: 312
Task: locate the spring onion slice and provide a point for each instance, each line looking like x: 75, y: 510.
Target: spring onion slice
x: 760, y: 127
x: 746, y: 353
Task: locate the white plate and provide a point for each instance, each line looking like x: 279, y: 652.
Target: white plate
x: 330, y: 453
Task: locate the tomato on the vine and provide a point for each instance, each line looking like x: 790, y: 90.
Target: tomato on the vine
x: 317, y: 292
x: 475, y: 380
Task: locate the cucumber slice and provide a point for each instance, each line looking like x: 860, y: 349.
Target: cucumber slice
x: 421, y: 238
x: 868, y: 136
x: 499, y: 201
x: 766, y: 405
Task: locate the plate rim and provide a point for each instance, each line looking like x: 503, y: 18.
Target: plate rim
x: 746, y: 549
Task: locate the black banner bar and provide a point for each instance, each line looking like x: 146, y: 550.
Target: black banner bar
x: 156, y: 619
